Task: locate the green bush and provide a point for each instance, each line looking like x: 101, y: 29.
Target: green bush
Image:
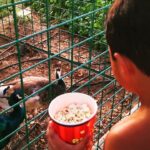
x: 5, y: 11
x: 61, y: 11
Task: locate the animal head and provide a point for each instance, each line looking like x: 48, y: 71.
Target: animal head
x: 58, y: 73
x: 5, y: 90
x: 15, y: 97
x: 60, y: 86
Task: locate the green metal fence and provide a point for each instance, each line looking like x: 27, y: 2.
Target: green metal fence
x: 36, y: 36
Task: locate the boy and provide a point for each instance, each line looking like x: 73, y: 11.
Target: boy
x: 128, y: 35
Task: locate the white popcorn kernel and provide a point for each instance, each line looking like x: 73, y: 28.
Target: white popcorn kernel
x: 73, y: 113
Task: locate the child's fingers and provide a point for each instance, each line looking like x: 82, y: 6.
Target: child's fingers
x: 56, y: 143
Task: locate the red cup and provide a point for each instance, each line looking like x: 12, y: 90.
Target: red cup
x: 73, y: 132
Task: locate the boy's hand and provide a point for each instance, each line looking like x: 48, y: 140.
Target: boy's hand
x: 55, y: 143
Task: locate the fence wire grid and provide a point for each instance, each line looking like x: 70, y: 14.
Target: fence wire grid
x: 38, y: 36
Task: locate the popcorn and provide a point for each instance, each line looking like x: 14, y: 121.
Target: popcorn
x: 73, y: 113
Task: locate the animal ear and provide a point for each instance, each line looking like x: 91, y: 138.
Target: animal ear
x: 18, y: 96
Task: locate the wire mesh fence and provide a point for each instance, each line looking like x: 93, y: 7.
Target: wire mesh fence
x: 38, y: 36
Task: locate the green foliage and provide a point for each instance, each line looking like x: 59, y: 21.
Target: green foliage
x: 4, y: 2
x: 5, y: 11
x: 61, y: 11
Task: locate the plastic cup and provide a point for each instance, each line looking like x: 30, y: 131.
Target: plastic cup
x: 73, y: 132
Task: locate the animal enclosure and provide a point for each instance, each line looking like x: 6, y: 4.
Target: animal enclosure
x: 36, y: 38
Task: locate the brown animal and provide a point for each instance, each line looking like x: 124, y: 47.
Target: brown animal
x: 32, y: 84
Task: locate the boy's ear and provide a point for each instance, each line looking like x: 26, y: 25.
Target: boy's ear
x: 126, y: 66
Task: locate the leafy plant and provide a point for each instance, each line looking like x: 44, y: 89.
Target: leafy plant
x: 7, y: 10
x: 61, y: 11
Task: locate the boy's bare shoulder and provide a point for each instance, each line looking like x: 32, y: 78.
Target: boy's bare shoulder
x: 118, y: 135
x: 127, y: 135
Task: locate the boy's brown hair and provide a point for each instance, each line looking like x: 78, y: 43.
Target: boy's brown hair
x: 128, y: 31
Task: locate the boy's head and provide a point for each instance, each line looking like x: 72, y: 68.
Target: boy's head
x: 128, y: 31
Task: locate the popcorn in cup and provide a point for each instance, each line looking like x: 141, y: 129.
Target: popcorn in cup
x: 73, y: 116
